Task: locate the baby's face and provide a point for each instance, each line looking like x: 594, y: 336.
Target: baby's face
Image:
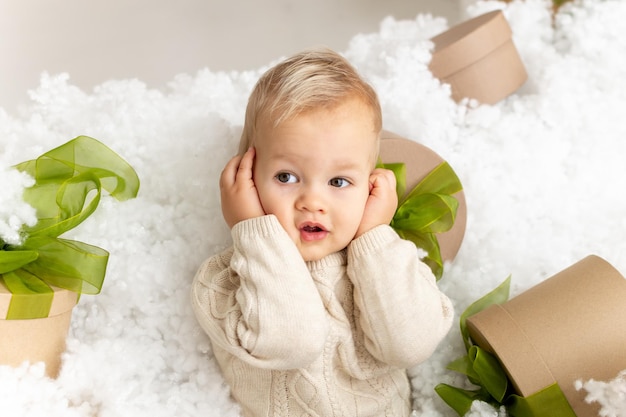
x: 312, y: 172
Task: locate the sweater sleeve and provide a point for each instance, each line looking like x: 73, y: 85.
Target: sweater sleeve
x: 403, y: 314
x: 258, y: 301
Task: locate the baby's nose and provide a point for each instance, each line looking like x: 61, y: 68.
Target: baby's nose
x: 312, y: 199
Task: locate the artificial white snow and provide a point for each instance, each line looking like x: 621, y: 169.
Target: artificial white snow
x: 543, y: 173
x: 611, y: 394
x: 14, y: 212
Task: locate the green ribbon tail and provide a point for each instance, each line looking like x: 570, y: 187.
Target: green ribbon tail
x: 498, y: 295
x: 429, y: 243
x: 464, y: 365
x: 426, y: 213
x: 68, y: 264
x: 460, y: 400
x: 83, y: 154
x: 31, y: 297
x: 441, y: 180
x: 76, y: 199
x: 490, y: 374
x: 549, y: 401
x: 10, y: 260
x: 68, y: 182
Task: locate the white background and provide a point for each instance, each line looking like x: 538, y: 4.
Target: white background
x: 153, y: 40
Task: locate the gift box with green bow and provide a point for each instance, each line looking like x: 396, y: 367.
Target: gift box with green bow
x: 526, y: 354
x: 42, y: 278
x: 432, y: 211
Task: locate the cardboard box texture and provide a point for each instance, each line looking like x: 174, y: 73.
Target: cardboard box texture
x: 419, y: 161
x: 36, y: 340
x: 478, y: 59
x: 569, y: 327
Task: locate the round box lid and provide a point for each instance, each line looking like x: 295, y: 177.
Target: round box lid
x: 419, y: 161
x: 468, y: 42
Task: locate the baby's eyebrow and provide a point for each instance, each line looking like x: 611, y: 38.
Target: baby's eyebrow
x: 347, y: 165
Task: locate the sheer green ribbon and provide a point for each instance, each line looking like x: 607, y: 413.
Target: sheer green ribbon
x: 68, y: 185
x: 429, y: 208
x: 493, y: 386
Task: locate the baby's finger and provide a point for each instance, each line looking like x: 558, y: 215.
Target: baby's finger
x: 244, y: 170
x: 230, y: 171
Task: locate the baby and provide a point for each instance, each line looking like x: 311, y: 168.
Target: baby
x: 319, y: 306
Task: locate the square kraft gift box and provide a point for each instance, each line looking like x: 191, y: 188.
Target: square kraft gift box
x: 36, y: 339
x: 569, y: 327
x: 478, y: 59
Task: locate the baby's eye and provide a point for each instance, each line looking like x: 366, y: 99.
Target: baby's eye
x: 286, y: 177
x: 339, y: 182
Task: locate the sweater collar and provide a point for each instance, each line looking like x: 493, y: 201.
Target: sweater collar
x: 334, y: 259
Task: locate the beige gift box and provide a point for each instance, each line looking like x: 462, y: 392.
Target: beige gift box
x: 419, y: 161
x: 569, y: 327
x: 478, y: 59
x: 36, y: 340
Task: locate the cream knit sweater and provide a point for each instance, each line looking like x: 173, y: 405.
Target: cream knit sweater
x: 326, y: 338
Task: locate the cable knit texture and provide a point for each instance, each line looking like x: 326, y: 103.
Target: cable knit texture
x: 326, y: 338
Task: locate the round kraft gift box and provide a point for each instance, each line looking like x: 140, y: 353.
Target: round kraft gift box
x: 37, y: 339
x: 419, y: 161
x: 569, y: 327
x: 478, y: 59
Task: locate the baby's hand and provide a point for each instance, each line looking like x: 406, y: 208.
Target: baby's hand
x: 382, y: 202
x: 240, y: 200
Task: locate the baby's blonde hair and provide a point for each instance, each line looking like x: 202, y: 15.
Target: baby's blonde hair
x: 318, y: 78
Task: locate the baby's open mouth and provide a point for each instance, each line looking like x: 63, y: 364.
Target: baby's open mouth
x: 310, y: 232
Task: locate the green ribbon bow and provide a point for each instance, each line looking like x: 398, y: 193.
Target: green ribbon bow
x: 484, y: 370
x: 67, y: 190
x: 428, y: 209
